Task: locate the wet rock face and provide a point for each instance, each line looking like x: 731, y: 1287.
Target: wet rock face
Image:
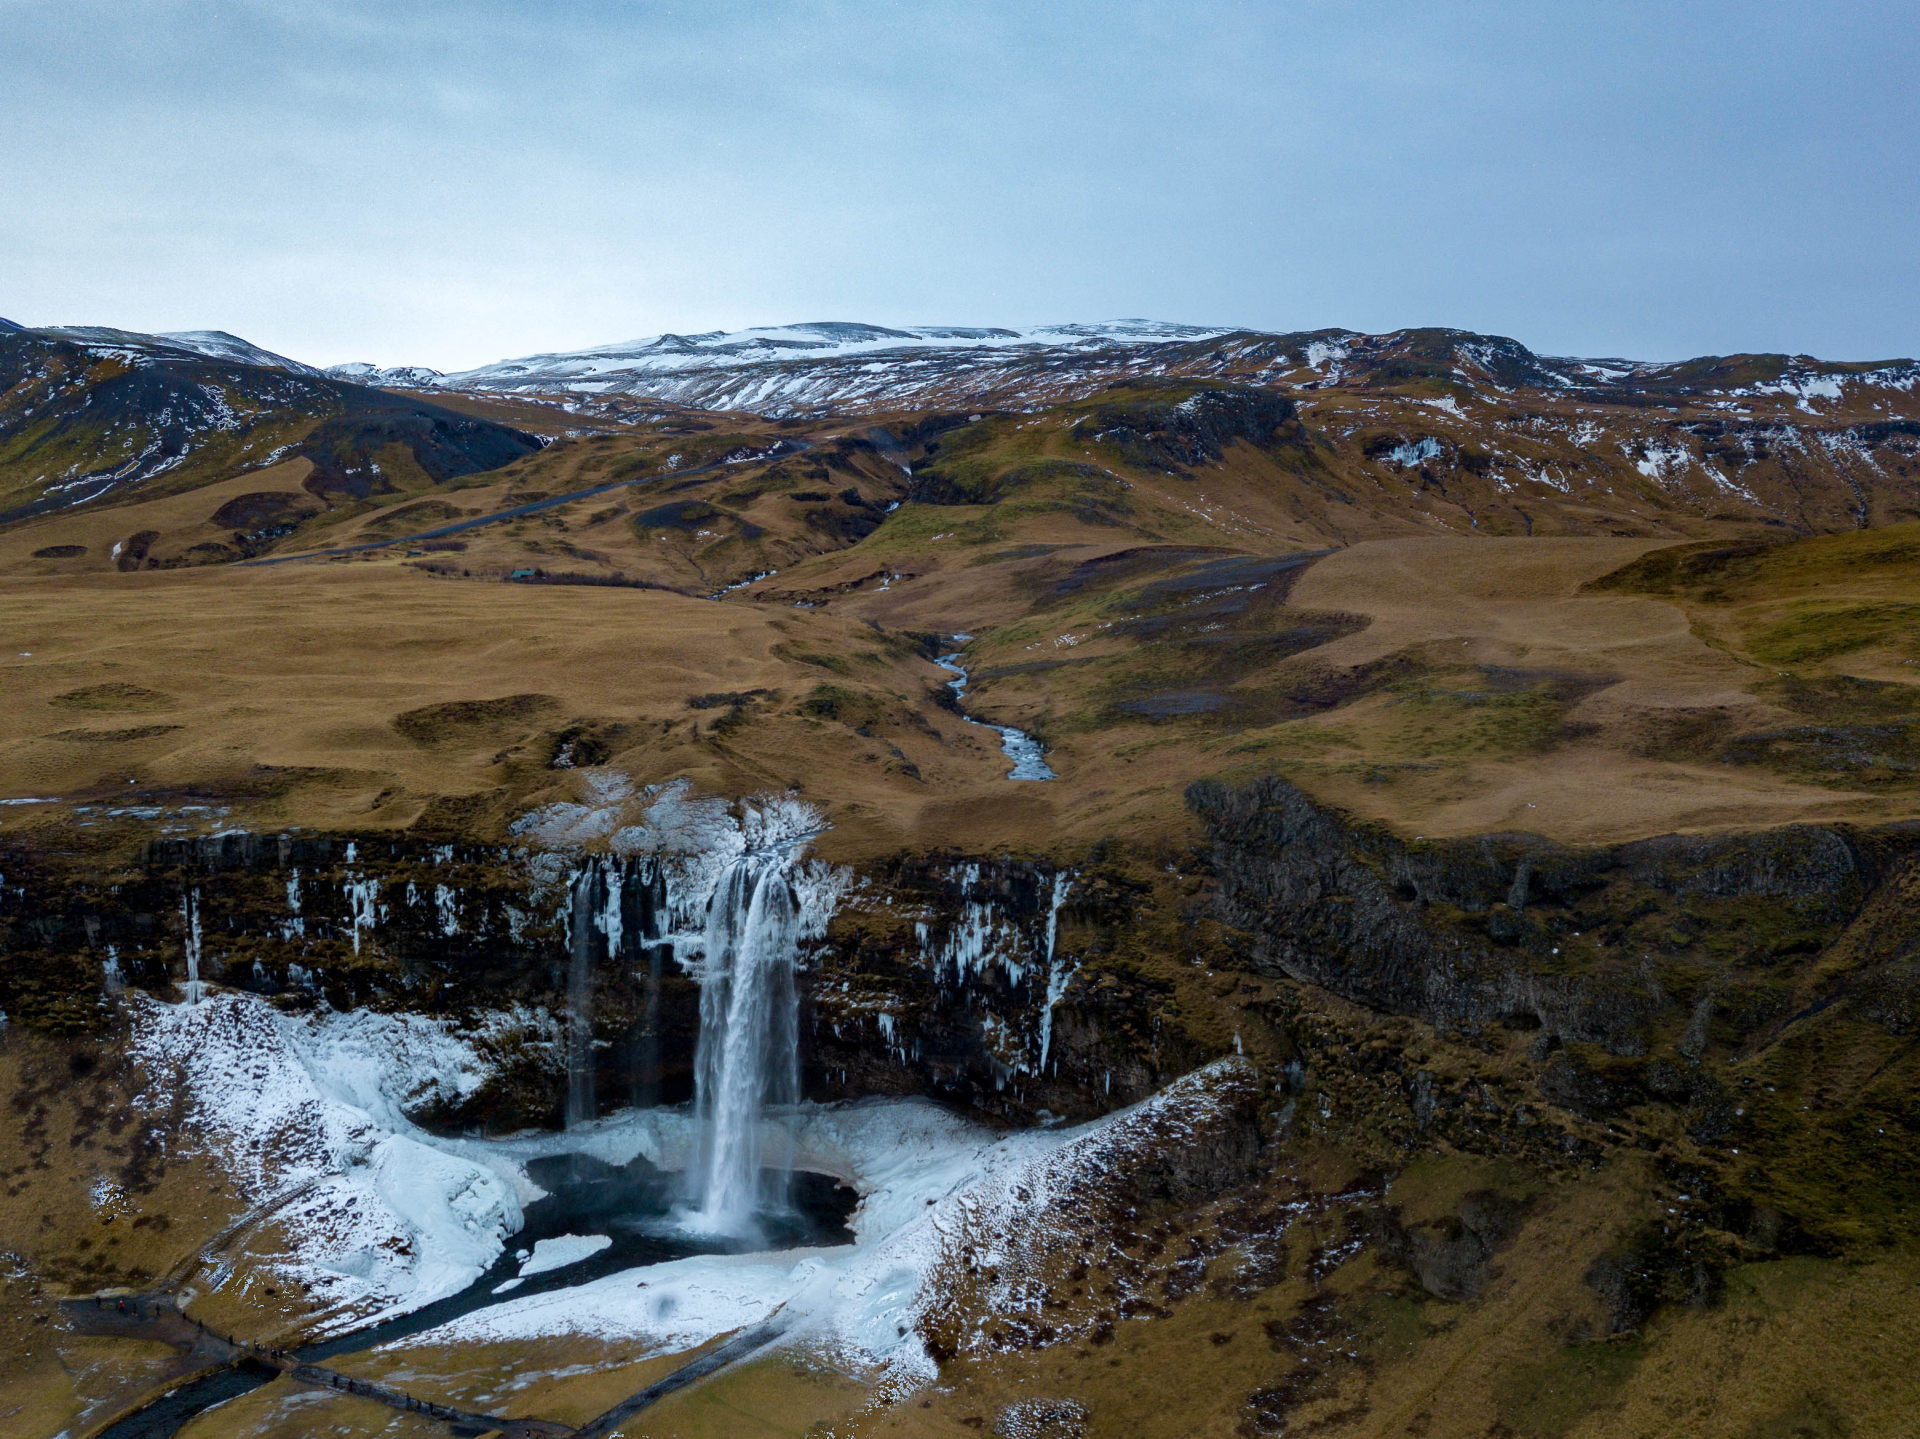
x: 963, y: 979
x: 375, y: 921
x: 1607, y: 946
x: 948, y: 977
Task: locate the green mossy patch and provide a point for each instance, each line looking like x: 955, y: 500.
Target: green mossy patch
x: 1815, y: 632
x: 1549, y: 1398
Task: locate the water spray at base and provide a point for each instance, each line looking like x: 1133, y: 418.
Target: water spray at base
x: 722, y: 889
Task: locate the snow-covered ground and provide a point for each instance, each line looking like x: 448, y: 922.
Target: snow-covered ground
x: 385, y: 1218
x: 935, y: 1188
x: 308, y: 1113
x: 562, y: 1250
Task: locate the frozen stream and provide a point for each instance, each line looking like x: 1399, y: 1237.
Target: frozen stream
x: 1029, y: 759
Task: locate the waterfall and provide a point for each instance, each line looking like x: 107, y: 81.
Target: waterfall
x: 190, y: 928
x: 1060, y: 971
x: 747, y: 1061
x: 614, y: 908
x: 583, y: 902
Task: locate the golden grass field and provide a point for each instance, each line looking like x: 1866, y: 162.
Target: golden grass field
x: 280, y: 693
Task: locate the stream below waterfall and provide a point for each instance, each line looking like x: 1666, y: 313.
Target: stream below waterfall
x: 635, y: 1206
x: 1026, y: 752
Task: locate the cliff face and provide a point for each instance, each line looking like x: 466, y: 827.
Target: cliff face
x: 959, y: 977
x: 1697, y: 938
x: 1739, y: 1006
x: 984, y: 982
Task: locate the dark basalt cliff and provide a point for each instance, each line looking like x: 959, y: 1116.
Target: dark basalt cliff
x: 957, y: 977
x: 1735, y: 1010
x: 1691, y: 939
x: 1735, y: 1004
x: 1740, y: 1008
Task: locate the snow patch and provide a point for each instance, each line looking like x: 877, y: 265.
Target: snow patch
x: 562, y: 1250
x: 935, y: 1187
x: 1418, y: 452
x: 378, y: 1216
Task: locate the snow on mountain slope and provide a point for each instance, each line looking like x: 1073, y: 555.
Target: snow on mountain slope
x: 410, y: 377
x: 846, y: 368
x: 720, y: 349
x: 830, y: 365
x: 88, y: 412
x: 209, y: 344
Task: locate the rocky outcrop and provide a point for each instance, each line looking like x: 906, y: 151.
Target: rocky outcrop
x: 1686, y: 936
x: 1174, y: 431
x: 1452, y: 1257
x: 978, y: 980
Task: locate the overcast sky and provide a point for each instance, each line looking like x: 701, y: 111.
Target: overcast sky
x: 451, y: 183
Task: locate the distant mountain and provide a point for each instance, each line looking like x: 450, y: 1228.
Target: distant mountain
x: 6, y: 324
x: 1480, y: 430
x: 820, y: 340
x: 88, y: 413
x: 833, y: 366
x: 405, y: 377
x: 843, y: 368
x: 211, y: 344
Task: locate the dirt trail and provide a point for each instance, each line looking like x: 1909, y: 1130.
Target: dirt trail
x: 748, y: 1341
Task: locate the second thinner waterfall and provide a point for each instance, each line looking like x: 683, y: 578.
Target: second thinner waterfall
x: 747, y: 1065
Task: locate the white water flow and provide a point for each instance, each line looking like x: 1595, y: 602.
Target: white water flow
x: 580, y: 921
x: 190, y: 927
x: 748, y: 1060
x: 1026, y: 752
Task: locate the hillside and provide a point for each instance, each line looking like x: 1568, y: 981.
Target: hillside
x: 90, y: 415
x: 1491, y: 435
x: 1323, y: 883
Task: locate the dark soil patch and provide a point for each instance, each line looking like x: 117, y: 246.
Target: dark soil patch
x: 459, y: 718
x: 116, y: 696
x: 680, y: 515
x: 113, y: 736
x: 264, y: 509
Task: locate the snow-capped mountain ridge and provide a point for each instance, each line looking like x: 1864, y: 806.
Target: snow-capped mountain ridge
x: 833, y: 367
x: 815, y: 340
x: 413, y: 377
x: 840, y: 367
